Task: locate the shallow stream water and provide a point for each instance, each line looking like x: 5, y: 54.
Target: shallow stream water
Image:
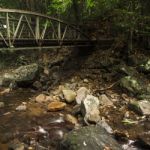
x: 35, y: 127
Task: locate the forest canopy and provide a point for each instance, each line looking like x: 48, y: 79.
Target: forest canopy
x: 124, y: 16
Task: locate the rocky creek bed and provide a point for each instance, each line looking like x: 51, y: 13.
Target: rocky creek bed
x: 97, y: 101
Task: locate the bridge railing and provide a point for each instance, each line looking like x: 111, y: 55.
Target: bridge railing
x: 17, y: 25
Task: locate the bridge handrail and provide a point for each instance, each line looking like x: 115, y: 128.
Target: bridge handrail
x: 4, y: 10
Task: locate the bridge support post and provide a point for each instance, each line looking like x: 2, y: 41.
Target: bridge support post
x: 8, y: 29
x: 37, y: 29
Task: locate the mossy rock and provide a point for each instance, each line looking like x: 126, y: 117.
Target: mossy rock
x: 89, y: 138
x: 131, y: 84
x: 145, y: 67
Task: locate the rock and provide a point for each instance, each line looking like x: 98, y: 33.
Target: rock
x: 105, y: 101
x: 145, y: 67
x: 105, y: 125
x: 23, y: 75
x: 59, y: 90
x: 21, y: 107
x: 127, y: 70
x: 56, y: 106
x: 69, y: 95
x: 37, y: 85
x: 134, y: 106
x: 2, y: 104
x: 131, y: 84
x: 90, y: 109
x: 40, y: 98
x: 135, y: 60
x: 137, y: 86
x: 49, y: 98
x: 34, y: 110
x: 71, y: 119
x: 85, y: 80
x: 5, y: 91
x: 141, y: 107
x: 26, y: 73
x: 76, y: 110
x: 144, y: 106
x: 89, y: 138
x: 46, y: 71
x: 81, y: 94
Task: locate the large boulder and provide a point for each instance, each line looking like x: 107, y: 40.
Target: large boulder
x: 23, y: 75
x: 89, y: 138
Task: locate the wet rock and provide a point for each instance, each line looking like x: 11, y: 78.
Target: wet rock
x: 88, y: 138
x: 35, y: 110
x: 21, y: 107
x: 90, y: 109
x: 81, y: 94
x: 71, y: 119
x: 2, y: 104
x: 69, y: 95
x: 40, y: 98
x: 105, y: 101
x: 56, y: 106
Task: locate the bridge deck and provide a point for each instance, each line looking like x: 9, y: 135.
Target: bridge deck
x: 46, y: 42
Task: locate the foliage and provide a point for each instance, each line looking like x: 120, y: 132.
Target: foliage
x: 59, y: 6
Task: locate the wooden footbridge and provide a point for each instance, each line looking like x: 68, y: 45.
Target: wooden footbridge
x: 20, y: 28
